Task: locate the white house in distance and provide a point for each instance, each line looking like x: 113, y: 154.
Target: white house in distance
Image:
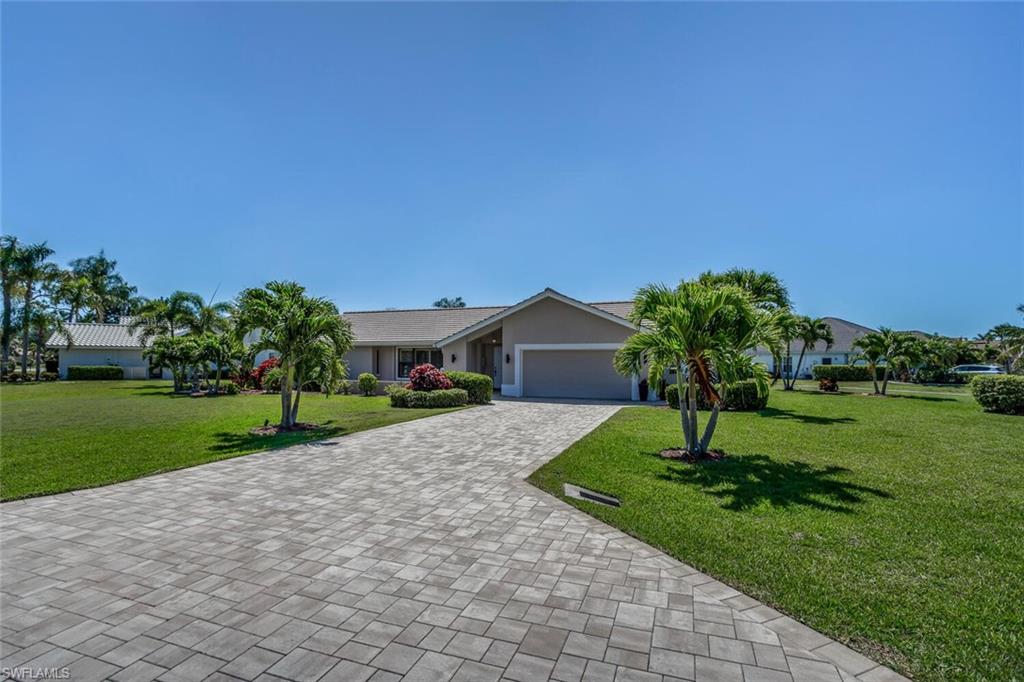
x: 841, y: 352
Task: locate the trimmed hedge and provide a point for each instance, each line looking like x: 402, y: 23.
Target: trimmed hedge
x: 446, y: 397
x: 367, y: 383
x: 95, y: 372
x: 843, y: 372
x: 480, y: 387
x: 740, y: 397
x: 999, y: 393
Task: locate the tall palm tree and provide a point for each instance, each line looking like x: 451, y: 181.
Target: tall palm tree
x: 297, y: 326
x: 766, y: 290
x: 44, y: 323
x: 872, y: 347
x: 788, y: 331
x: 811, y: 331
x: 32, y: 270
x: 9, y: 249
x: 168, y: 316
x: 110, y: 292
x: 699, y: 329
x: 897, y: 349
x: 211, y: 318
x: 76, y: 292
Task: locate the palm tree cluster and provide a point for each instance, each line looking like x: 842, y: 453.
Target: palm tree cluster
x: 1005, y: 344
x: 707, y: 331
x: 308, y: 333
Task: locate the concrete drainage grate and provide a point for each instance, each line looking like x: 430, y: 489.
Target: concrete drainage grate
x: 590, y: 496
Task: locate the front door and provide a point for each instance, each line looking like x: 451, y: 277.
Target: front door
x: 496, y: 367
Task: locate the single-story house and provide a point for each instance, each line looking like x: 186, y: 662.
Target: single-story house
x: 547, y: 346
x: 842, y: 352
x: 104, y: 343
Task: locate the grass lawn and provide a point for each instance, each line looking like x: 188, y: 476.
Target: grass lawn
x: 69, y: 435
x: 894, y: 524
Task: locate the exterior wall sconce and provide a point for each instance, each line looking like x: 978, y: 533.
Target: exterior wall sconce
x: 453, y: 358
x: 508, y: 358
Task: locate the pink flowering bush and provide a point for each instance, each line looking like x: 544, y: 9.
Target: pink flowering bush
x: 426, y: 377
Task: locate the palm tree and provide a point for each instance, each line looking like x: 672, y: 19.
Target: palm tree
x: 168, y: 316
x: 897, y: 349
x: 8, y: 256
x: 872, y: 351
x: 211, y: 318
x: 31, y: 270
x: 299, y: 327
x: 788, y: 331
x: 446, y: 302
x: 701, y: 330
x: 222, y: 350
x: 811, y: 331
x: 44, y: 323
x: 109, y: 290
x: 766, y: 290
x: 76, y: 292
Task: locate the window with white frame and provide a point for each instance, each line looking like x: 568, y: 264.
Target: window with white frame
x: 413, y: 357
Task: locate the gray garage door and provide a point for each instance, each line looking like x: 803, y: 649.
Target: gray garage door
x: 573, y: 374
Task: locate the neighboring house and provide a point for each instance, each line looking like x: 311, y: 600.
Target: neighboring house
x: 104, y: 343
x: 841, y: 352
x: 547, y: 346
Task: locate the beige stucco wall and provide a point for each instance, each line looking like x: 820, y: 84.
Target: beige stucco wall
x: 461, y: 353
x: 135, y: 366
x: 359, y: 360
x: 551, y: 321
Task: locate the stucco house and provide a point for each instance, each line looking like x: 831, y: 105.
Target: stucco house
x: 547, y: 346
x: 842, y: 352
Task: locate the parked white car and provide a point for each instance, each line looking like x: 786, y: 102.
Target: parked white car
x: 977, y: 369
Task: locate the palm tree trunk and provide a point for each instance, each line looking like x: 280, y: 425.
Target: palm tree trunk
x: 874, y: 376
x: 26, y: 314
x: 709, y: 428
x: 787, y: 380
x: 684, y: 416
x: 298, y: 395
x: 695, y: 444
x: 885, y: 378
x: 39, y: 354
x: 286, y: 395
x: 798, y: 363
x: 6, y: 332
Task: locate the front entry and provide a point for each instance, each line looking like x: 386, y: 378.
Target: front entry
x: 496, y: 367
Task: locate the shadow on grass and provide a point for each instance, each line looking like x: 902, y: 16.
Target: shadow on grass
x: 775, y: 413
x: 929, y: 398
x: 745, y: 481
x: 233, y: 442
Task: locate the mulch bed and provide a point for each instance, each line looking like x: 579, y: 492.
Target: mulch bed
x: 274, y: 429
x: 684, y: 455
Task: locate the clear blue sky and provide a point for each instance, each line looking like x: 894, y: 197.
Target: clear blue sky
x: 385, y: 155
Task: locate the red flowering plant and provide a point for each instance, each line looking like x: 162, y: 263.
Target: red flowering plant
x: 426, y: 377
x: 257, y: 374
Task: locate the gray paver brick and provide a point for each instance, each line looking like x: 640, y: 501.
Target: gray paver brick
x: 414, y: 549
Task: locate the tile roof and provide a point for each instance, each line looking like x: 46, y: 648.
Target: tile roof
x: 97, y: 335
x: 428, y: 325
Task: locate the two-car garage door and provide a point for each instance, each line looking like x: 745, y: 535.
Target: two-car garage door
x: 573, y: 374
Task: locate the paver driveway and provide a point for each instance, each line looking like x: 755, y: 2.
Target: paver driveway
x: 413, y: 550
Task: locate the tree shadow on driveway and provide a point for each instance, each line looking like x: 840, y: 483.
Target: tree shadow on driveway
x: 235, y: 442
x: 745, y: 481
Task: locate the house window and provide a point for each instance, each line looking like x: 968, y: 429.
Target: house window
x: 411, y: 357
x: 826, y: 361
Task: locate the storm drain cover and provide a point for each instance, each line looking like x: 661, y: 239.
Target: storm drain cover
x: 589, y: 495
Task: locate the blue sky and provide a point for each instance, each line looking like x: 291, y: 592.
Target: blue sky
x: 872, y: 155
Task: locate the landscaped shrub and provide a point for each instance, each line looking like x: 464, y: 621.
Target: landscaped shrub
x: 257, y: 374
x: 741, y: 397
x: 345, y: 387
x: 938, y: 375
x: 445, y: 397
x: 95, y: 372
x: 50, y: 376
x: 480, y: 387
x: 231, y: 388
x: 426, y: 377
x: 999, y: 393
x: 368, y: 383
x: 842, y: 372
x: 828, y: 385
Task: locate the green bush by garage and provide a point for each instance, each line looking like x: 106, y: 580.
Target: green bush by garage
x: 999, y: 393
x: 480, y: 387
x: 447, y: 397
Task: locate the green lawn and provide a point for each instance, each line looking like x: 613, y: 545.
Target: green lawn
x: 894, y: 524
x: 64, y: 436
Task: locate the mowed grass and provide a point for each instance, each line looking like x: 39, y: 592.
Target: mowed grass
x: 62, y: 436
x: 894, y: 524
